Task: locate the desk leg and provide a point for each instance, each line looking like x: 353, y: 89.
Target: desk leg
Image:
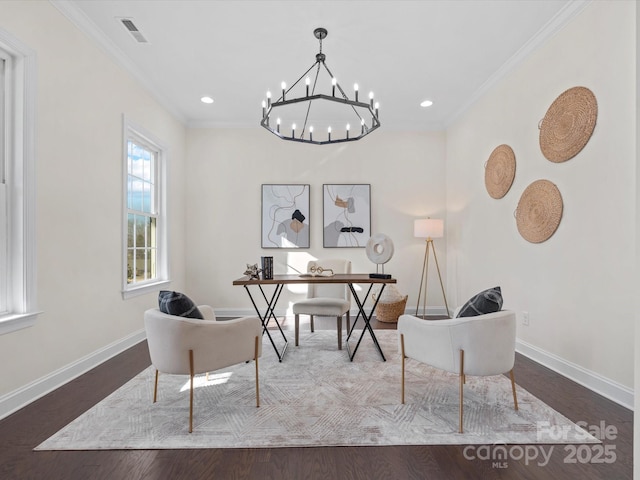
x: 360, y: 307
x: 268, y: 314
x: 367, y: 319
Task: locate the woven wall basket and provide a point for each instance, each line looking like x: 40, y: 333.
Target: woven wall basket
x: 568, y: 124
x: 539, y: 211
x: 499, y: 171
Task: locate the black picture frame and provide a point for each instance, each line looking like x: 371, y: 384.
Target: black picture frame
x: 285, y: 216
x: 346, y: 215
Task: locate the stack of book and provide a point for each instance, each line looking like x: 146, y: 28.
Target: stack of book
x: 267, y: 268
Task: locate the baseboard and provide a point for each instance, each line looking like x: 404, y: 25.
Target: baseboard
x: 235, y: 312
x: 597, y: 383
x: 20, y: 398
x: 430, y: 311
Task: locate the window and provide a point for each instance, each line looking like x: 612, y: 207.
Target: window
x: 17, y: 185
x: 145, y: 246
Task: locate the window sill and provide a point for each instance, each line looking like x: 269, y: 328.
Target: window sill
x: 17, y: 321
x: 143, y: 289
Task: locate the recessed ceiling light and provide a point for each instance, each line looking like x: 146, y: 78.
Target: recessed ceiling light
x: 426, y: 103
x: 206, y: 100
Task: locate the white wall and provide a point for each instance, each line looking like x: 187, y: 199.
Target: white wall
x: 226, y: 169
x: 578, y: 285
x: 636, y: 417
x: 81, y: 97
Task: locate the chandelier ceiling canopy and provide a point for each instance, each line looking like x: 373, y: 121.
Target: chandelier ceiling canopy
x: 315, y: 109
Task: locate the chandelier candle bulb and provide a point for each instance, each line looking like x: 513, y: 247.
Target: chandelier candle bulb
x: 362, y: 126
x: 311, y: 133
x: 371, y: 98
x: 264, y: 108
x: 348, y: 127
x: 377, y: 107
x: 355, y: 89
x: 307, y: 81
x: 278, y: 125
x: 268, y: 99
x: 293, y: 131
x: 284, y: 86
x: 329, y: 133
x: 333, y: 86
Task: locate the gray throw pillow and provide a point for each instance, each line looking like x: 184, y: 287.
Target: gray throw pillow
x: 178, y: 304
x: 487, y: 301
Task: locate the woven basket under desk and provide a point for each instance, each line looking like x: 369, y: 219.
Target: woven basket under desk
x: 389, y: 312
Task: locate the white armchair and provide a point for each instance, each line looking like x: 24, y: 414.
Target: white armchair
x: 187, y: 346
x: 483, y: 345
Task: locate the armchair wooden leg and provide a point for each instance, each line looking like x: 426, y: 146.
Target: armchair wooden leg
x: 339, y: 332
x: 462, y: 379
x: 155, y: 388
x: 403, y: 358
x: 191, y: 373
x: 311, y: 322
x: 297, y: 323
x: 513, y: 388
x: 255, y: 356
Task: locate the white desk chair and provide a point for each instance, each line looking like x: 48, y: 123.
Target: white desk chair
x: 329, y: 300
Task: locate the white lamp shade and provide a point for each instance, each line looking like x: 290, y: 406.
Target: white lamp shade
x: 428, y: 228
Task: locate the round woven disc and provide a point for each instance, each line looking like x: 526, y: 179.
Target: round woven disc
x: 568, y: 124
x: 539, y: 211
x: 500, y: 171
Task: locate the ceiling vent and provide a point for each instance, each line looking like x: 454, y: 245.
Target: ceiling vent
x: 133, y: 30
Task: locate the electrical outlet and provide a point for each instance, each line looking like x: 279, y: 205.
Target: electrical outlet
x: 525, y: 319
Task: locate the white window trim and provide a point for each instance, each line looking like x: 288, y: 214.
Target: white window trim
x: 162, y: 266
x: 4, y: 194
x: 20, y: 138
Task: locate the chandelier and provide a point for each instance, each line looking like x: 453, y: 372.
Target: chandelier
x: 322, y: 113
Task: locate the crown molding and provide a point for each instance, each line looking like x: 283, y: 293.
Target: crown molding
x: 89, y: 28
x: 553, y: 26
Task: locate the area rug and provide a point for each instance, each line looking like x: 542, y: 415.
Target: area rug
x: 316, y: 397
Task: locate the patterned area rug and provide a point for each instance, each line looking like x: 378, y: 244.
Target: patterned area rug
x: 316, y: 397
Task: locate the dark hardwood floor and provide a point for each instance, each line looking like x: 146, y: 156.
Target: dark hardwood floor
x: 25, y: 429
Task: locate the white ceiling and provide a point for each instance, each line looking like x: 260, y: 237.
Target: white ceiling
x: 405, y: 51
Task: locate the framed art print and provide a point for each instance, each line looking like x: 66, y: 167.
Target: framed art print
x: 346, y: 215
x: 285, y: 216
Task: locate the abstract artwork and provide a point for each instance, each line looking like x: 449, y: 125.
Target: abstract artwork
x: 285, y: 216
x: 347, y: 215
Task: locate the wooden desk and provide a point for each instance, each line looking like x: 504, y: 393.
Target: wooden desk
x: 281, y: 280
